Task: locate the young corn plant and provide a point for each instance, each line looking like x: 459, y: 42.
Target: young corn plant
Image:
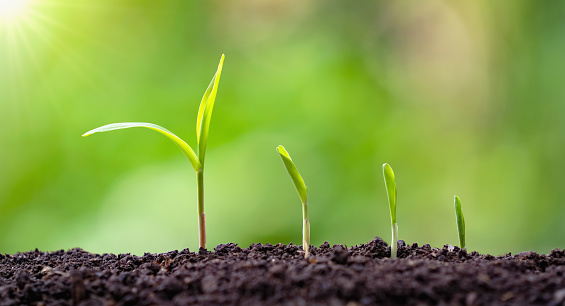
x: 391, y: 193
x: 460, y: 222
x: 302, y: 193
x: 202, y: 129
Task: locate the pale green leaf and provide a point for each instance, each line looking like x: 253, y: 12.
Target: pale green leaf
x: 296, y: 178
x: 460, y: 221
x: 124, y: 125
x: 391, y: 190
x: 205, y: 112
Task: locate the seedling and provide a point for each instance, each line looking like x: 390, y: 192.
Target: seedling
x: 460, y: 222
x: 202, y: 129
x: 391, y: 193
x: 302, y: 192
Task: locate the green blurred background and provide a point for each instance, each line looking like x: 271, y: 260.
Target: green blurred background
x: 461, y: 98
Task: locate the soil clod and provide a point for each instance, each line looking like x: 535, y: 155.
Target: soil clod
x: 266, y: 274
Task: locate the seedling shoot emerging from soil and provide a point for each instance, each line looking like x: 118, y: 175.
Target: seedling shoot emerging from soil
x: 460, y: 222
x: 302, y: 192
x: 391, y: 193
x: 202, y: 129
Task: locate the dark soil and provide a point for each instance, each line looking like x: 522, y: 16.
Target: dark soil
x: 267, y: 275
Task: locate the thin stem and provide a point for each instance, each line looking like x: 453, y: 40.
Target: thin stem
x: 394, y: 244
x: 305, y: 230
x: 201, y: 216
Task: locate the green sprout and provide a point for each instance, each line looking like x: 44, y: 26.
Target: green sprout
x: 302, y: 192
x: 460, y: 222
x: 202, y: 129
x: 391, y: 193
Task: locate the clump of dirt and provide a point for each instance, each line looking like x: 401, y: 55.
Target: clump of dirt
x: 268, y: 274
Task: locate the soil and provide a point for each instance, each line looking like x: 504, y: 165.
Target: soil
x: 279, y: 274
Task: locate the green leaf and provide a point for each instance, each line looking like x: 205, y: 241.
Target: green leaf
x: 296, y: 178
x: 125, y: 125
x: 460, y: 221
x: 205, y: 112
x: 391, y: 190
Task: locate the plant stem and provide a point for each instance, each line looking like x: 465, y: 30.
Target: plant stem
x: 305, y: 230
x: 201, y: 216
x: 394, y: 244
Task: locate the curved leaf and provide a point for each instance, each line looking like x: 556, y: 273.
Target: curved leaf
x: 205, y: 112
x: 391, y: 190
x: 125, y: 125
x: 296, y: 178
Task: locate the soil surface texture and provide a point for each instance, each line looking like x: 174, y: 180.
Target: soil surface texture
x: 279, y: 274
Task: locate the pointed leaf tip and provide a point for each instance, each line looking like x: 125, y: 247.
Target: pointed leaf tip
x: 294, y: 174
x: 205, y: 112
x: 390, y: 185
x: 187, y: 150
x: 283, y: 151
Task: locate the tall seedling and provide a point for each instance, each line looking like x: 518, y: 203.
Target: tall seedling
x: 391, y: 193
x: 460, y: 222
x: 302, y: 192
x: 202, y: 129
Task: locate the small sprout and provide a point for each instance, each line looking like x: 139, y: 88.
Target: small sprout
x: 302, y: 192
x: 460, y: 222
x: 391, y: 193
x: 202, y: 129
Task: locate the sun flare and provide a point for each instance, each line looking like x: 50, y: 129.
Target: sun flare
x: 12, y: 9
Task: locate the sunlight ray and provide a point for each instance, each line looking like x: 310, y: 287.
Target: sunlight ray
x: 35, y: 62
x: 65, y: 28
x: 115, y: 7
x: 13, y: 68
x: 23, y: 43
x: 64, y: 53
x: 12, y: 10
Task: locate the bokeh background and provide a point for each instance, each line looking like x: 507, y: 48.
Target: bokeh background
x: 461, y: 98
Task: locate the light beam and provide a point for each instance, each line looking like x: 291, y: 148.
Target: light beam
x: 12, y: 9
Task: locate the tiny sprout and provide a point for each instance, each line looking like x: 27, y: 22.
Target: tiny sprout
x: 202, y: 129
x: 391, y: 193
x: 302, y: 192
x: 460, y: 222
